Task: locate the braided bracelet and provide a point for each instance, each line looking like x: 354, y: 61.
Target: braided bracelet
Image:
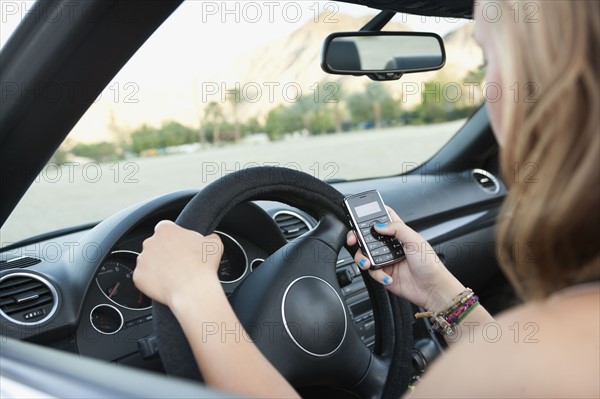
x: 446, y: 320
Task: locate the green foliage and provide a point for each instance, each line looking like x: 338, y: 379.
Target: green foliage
x: 360, y: 108
x: 439, y: 104
x: 283, y: 120
x: 228, y: 132
x: 168, y: 135
x: 59, y: 157
x: 475, y: 76
x: 322, y: 111
x: 323, y: 121
x: 314, y: 113
x: 251, y: 126
x: 145, y: 138
x: 376, y: 105
x: 434, y: 106
x: 213, y: 121
x: 100, y: 152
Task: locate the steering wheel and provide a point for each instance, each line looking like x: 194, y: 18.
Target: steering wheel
x: 292, y: 306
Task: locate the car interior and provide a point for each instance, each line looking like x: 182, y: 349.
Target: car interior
x: 66, y: 330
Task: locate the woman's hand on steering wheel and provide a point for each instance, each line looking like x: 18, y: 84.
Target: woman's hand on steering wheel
x: 175, y: 259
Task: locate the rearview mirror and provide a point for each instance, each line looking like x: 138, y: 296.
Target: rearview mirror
x: 382, y: 55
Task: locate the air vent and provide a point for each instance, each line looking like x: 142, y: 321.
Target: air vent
x: 27, y: 299
x: 18, y: 263
x: 486, y: 181
x: 291, y: 224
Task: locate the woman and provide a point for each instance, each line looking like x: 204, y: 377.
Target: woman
x: 547, y: 233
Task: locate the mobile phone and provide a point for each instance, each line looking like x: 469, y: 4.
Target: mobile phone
x: 365, y: 210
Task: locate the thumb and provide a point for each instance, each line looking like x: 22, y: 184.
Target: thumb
x: 401, y: 231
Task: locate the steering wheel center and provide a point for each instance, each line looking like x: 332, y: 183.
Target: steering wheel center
x: 314, y: 316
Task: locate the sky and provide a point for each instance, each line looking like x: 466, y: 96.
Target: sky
x: 202, y: 38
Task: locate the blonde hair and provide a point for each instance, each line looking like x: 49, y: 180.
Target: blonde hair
x: 548, y: 232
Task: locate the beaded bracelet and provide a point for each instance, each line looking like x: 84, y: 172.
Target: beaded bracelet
x: 461, y: 311
x: 446, y: 320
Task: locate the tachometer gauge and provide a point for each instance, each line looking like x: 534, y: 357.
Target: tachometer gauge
x: 115, y: 280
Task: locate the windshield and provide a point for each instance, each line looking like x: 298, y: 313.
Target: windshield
x: 224, y: 86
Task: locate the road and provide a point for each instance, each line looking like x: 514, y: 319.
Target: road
x: 85, y: 192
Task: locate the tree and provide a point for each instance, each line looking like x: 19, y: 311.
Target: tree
x: 336, y: 98
x: 327, y: 115
x: 375, y: 105
x: 305, y: 107
x: 384, y: 105
x: 119, y: 134
x: 323, y: 121
x: 283, y: 120
x: 100, y: 152
x: 59, y: 157
x: 434, y: 107
x: 145, y: 138
x: 474, y: 81
x: 213, y: 119
x: 235, y: 102
x: 170, y: 134
x: 360, y: 108
x: 252, y: 126
x: 174, y: 133
x: 317, y: 113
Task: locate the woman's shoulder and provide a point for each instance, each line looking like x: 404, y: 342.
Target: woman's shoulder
x: 554, y: 343
x: 539, y: 349
x: 569, y: 317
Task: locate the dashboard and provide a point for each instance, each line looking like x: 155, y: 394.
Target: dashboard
x: 83, y: 300
x: 117, y: 316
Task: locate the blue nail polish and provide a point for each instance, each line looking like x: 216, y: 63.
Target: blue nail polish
x: 386, y: 280
x: 381, y: 225
x: 361, y: 263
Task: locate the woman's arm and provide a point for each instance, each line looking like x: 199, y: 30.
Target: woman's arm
x: 190, y: 287
x: 227, y: 357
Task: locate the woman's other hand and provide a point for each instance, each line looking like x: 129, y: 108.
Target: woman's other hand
x: 421, y: 277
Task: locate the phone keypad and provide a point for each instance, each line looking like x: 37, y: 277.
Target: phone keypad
x: 383, y: 248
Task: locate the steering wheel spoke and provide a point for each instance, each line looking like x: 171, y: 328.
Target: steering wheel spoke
x: 373, y: 381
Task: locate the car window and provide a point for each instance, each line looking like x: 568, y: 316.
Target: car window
x: 224, y: 86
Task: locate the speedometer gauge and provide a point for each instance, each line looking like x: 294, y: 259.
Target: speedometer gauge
x: 115, y: 280
x: 234, y: 262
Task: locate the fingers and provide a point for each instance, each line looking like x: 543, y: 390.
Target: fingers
x: 381, y: 276
x: 393, y: 215
x: 361, y: 260
x: 213, y: 245
x: 168, y: 235
x: 401, y: 231
x: 351, y: 238
x: 164, y: 225
x: 378, y: 275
